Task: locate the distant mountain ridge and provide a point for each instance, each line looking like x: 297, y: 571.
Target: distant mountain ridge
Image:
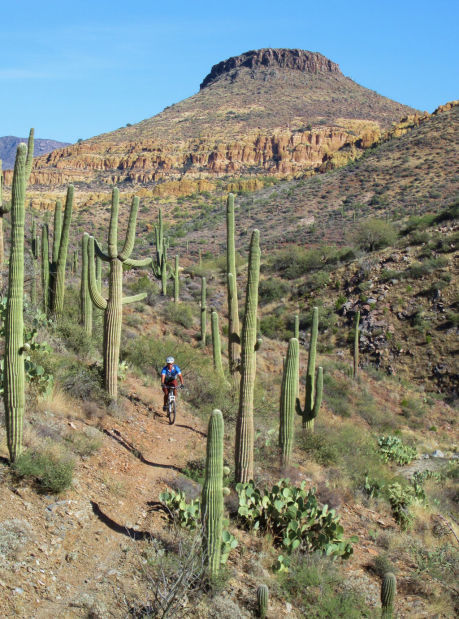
x: 9, y: 144
x: 266, y: 112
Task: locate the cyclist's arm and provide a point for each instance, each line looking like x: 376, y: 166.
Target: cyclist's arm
x: 180, y: 377
x: 163, y: 377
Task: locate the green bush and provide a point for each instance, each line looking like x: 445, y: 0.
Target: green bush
x: 374, y: 234
x: 75, y: 337
x: 52, y: 473
x: 179, y: 313
x: 83, y: 382
x: 319, y: 448
x: 273, y: 326
x: 272, y: 289
x: 337, y: 394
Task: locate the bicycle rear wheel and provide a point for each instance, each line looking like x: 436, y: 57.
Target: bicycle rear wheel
x: 171, y: 412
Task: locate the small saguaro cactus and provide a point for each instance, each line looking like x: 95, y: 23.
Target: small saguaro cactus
x: 388, y: 591
x: 14, y: 372
x: 75, y: 262
x: 233, y: 310
x: 161, y: 269
x: 30, y: 149
x: 314, y: 385
x: 216, y: 345
x: 85, y: 298
x: 176, y: 278
x: 212, y: 493
x: 356, y: 343
x: 203, y: 312
x: 288, y: 400
x: 249, y: 345
x: 113, y: 306
x: 59, y: 281
x: 262, y: 601
x: 159, y: 237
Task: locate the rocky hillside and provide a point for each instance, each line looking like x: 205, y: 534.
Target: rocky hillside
x: 9, y: 143
x: 269, y: 111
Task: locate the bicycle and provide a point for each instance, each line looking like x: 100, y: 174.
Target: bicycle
x: 171, y: 406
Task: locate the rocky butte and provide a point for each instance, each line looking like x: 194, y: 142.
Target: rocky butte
x: 279, y: 112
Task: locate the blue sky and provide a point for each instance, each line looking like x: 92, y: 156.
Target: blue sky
x: 76, y: 69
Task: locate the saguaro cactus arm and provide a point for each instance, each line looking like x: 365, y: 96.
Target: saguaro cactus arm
x: 57, y: 230
x: 30, y: 149
x: 140, y: 262
x: 102, y: 255
x: 96, y: 297
x: 45, y: 265
x: 130, y: 234
x: 134, y: 298
x: 113, y: 228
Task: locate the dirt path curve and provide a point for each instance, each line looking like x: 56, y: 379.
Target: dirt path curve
x: 75, y: 558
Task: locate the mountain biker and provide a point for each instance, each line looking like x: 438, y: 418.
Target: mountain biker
x: 169, y: 375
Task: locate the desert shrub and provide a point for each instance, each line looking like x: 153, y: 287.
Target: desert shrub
x: 420, y: 269
x: 52, y: 473
x: 319, y: 448
x: 317, y: 589
x: 83, y: 382
x: 272, y: 289
x: 273, y: 326
x: 84, y: 443
x: 180, y: 313
x: 294, y: 261
x: 337, y: 394
x: 374, y: 234
x: 418, y: 223
x: 75, y: 337
x: 142, y: 284
x: 315, y: 281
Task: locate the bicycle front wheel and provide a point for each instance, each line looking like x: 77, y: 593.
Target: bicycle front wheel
x: 172, y: 412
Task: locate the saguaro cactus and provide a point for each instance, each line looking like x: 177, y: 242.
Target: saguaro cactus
x: 59, y: 281
x: 249, y: 346
x: 314, y: 387
x: 233, y: 310
x: 30, y: 149
x: 159, y: 237
x: 113, y: 306
x: 388, y: 591
x: 161, y: 269
x: 75, y: 262
x: 203, y: 311
x: 85, y: 299
x: 216, y: 345
x: 45, y: 266
x: 356, y: 343
x: 288, y: 400
x: 262, y: 601
x: 14, y: 326
x: 176, y: 278
x: 212, y: 494
x: 35, y: 255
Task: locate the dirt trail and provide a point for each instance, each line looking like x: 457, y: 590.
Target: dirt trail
x: 74, y: 558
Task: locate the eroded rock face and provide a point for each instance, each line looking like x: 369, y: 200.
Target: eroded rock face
x: 298, y: 59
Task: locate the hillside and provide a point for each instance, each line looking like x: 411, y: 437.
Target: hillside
x: 269, y: 111
x: 8, y: 146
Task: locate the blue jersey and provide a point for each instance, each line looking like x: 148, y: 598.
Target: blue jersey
x: 170, y: 374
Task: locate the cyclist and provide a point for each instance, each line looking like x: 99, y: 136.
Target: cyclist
x: 169, y: 375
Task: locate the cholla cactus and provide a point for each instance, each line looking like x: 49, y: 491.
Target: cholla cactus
x: 314, y: 388
x: 287, y: 402
x: 262, y: 601
x: 113, y: 306
x: 13, y: 396
x: 249, y: 346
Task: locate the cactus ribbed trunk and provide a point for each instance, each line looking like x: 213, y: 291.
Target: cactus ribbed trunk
x: 3, y: 209
x: 244, y: 425
x: 388, y: 591
x: 233, y: 310
x: 176, y: 281
x: 85, y: 299
x: 356, y: 344
x: 112, y: 328
x: 59, y: 283
x: 45, y: 266
x: 216, y: 345
x: 14, y: 398
x: 287, y: 401
x: 212, y: 494
x: 314, y: 386
x: 262, y: 601
x: 57, y: 230
x: 203, y: 311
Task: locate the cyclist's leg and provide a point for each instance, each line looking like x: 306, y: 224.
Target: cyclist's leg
x: 166, y: 394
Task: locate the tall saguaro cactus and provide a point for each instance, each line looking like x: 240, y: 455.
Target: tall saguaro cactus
x: 85, y: 299
x: 216, y: 345
x: 113, y: 306
x: 314, y: 386
x: 45, y: 266
x: 203, y: 311
x: 356, y: 344
x: 288, y: 400
x: 161, y: 269
x: 249, y: 346
x: 212, y: 493
x: 13, y: 386
x: 233, y: 310
x: 35, y: 255
x: 59, y: 281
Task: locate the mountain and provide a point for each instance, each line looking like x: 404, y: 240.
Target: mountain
x: 265, y: 112
x: 9, y: 144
